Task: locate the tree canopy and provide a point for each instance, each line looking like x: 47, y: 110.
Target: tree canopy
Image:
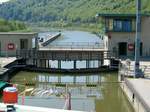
x: 67, y: 10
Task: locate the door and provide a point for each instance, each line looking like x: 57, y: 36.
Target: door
x: 23, y: 44
x: 122, y: 49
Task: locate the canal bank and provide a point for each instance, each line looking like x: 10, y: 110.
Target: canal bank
x: 137, y: 91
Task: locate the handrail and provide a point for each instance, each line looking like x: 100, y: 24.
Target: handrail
x: 75, y: 45
x: 128, y: 70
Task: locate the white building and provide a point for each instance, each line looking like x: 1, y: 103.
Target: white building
x: 10, y: 42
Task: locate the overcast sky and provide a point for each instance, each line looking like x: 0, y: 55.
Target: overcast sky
x: 3, y: 1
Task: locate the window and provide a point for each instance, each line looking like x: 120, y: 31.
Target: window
x: 133, y: 25
x: 117, y: 25
x: 23, y: 43
x: 127, y: 25
x: 120, y: 25
x: 111, y: 24
x: 123, y: 25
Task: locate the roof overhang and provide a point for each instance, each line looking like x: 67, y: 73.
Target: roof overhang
x: 18, y: 33
x: 118, y: 15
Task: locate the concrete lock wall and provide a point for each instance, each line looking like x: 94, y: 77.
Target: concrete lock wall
x: 129, y: 38
x: 14, y: 38
x: 133, y: 99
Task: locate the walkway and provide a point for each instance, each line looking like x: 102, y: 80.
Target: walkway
x: 5, y: 61
x: 141, y: 89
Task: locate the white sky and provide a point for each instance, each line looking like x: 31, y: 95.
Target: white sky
x: 1, y: 1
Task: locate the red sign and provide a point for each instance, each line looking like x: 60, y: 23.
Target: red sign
x: 11, y: 46
x: 130, y: 47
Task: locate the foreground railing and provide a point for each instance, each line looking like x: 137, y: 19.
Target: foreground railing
x: 44, y: 54
x: 127, y: 70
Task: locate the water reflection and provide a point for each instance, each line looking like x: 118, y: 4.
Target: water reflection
x: 90, y: 92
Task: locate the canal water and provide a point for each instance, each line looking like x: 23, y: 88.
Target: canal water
x: 99, y: 92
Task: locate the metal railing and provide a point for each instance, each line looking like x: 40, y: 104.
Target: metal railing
x: 75, y: 45
x: 26, y: 54
x: 128, y: 70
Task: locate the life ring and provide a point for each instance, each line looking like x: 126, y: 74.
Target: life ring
x: 11, y: 46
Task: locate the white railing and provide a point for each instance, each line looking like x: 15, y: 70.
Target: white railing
x: 128, y: 70
x: 75, y: 45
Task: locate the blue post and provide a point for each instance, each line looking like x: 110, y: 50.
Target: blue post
x: 137, y: 70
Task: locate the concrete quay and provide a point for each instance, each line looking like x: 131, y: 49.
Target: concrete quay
x: 138, y: 93
x: 21, y: 108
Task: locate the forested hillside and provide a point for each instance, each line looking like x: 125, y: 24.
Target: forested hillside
x: 66, y: 10
x: 6, y: 26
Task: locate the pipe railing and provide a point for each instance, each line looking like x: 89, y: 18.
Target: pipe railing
x: 128, y: 70
x: 38, y: 54
x: 75, y: 45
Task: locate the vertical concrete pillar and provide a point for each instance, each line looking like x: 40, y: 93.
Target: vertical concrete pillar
x: 59, y: 79
x: 99, y: 63
x: 102, y: 62
x: 43, y: 63
x: 59, y: 64
x: 46, y: 63
x: 34, y: 63
x: 87, y: 64
x: 74, y: 79
x: 87, y: 79
x: 74, y: 64
x: 38, y: 63
x: 99, y: 79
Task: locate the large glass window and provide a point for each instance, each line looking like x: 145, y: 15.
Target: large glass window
x: 117, y: 25
x: 123, y: 25
x: 120, y: 25
x: 127, y: 25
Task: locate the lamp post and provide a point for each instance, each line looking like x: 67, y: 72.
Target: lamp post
x: 137, y: 71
